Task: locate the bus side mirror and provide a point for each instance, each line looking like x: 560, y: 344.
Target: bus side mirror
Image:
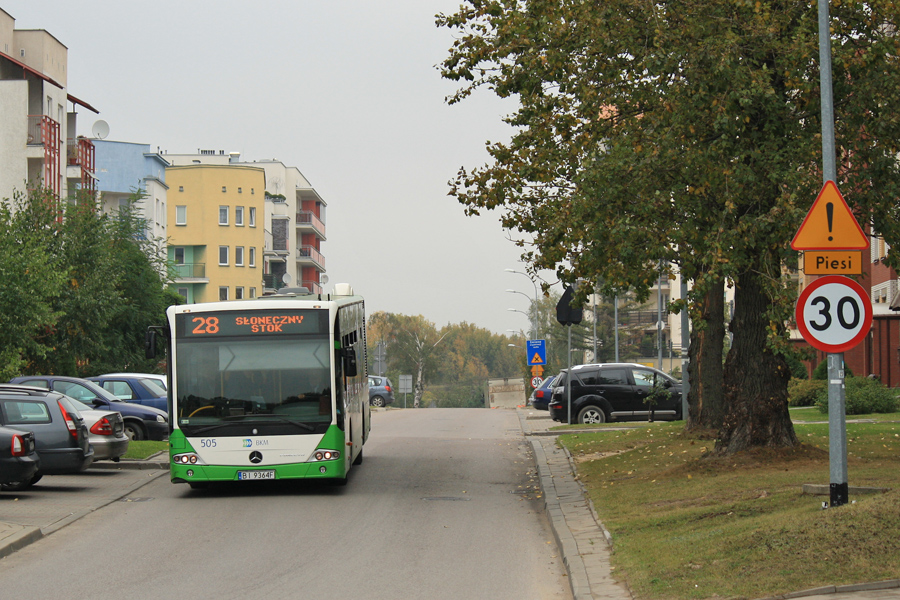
x: 150, y: 344
x: 349, y: 358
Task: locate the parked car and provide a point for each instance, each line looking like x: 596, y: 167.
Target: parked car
x: 540, y: 397
x: 616, y: 392
x: 141, y: 422
x: 60, y: 435
x: 106, y: 428
x: 139, y: 390
x: 18, y: 459
x: 160, y: 380
x: 381, y: 391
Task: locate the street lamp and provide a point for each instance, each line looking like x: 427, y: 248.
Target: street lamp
x: 536, y: 332
x: 533, y: 308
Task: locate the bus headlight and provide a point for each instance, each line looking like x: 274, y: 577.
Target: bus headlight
x: 320, y: 455
x: 188, y: 458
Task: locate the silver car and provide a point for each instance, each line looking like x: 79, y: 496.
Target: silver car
x: 106, y: 431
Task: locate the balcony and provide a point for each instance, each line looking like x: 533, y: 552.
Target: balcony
x: 80, y: 163
x: 44, y: 132
x: 307, y: 221
x: 307, y: 255
x: 190, y: 273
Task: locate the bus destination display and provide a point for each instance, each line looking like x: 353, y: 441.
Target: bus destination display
x: 237, y: 323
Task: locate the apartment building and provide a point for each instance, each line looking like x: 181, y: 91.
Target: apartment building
x: 216, y: 235
x: 122, y: 168
x: 38, y: 142
x: 294, y: 221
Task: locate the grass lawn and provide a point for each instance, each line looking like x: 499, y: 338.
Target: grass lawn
x: 144, y: 449
x: 688, y: 524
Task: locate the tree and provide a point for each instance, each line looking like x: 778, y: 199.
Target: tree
x: 32, y: 280
x: 686, y: 132
x: 412, y: 343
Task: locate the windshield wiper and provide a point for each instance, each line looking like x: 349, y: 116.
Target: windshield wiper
x: 233, y: 420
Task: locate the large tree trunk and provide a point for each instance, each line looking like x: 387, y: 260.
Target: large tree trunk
x: 755, y: 378
x: 706, y: 401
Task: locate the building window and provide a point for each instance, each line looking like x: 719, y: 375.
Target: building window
x: 240, y: 191
x: 252, y: 256
x: 223, y: 292
x: 180, y: 188
x: 252, y: 191
x: 252, y: 216
x: 239, y: 293
x: 239, y: 256
x: 183, y: 292
x: 179, y: 256
x: 223, y: 215
x: 224, y: 189
x: 239, y: 216
x: 181, y: 215
x: 223, y: 255
x: 253, y: 292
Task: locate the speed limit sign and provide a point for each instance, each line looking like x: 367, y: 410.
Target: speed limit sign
x: 834, y: 313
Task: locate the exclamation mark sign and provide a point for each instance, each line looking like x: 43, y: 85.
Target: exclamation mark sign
x: 829, y: 211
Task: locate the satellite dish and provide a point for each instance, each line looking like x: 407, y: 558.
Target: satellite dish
x: 100, y: 129
x: 287, y: 279
x: 323, y: 279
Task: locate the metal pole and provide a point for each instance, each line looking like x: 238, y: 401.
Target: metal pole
x: 685, y: 356
x: 659, y: 316
x: 837, y: 429
x: 616, y: 319
x: 594, y: 302
x: 569, y: 375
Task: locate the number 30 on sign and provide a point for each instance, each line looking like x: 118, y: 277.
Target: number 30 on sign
x: 834, y: 314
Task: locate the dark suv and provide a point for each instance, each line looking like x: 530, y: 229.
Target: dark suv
x: 60, y: 435
x: 616, y: 392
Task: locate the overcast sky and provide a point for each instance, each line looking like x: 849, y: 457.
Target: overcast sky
x: 348, y: 93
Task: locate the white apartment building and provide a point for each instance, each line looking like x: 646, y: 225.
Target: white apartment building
x: 38, y: 142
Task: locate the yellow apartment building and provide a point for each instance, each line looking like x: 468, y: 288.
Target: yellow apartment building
x: 216, y: 231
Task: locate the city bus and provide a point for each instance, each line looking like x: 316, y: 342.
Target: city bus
x: 270, y: 388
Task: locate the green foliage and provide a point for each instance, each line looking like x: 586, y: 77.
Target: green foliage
x: 696, y: 143
x: 804, y: 392
x: 820, y: 373
x: 863, y: 396
x: 80, y: 289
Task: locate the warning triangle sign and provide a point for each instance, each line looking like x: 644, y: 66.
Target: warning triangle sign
x: 537, y: 360
x: 830, y: 225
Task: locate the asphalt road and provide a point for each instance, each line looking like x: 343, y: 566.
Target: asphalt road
x: 444, y: 506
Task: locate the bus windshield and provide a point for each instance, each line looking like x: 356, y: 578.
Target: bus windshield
x: 226, y: 384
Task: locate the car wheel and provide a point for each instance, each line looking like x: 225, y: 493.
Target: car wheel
x: 591, y: 414
x: 377, y: 401
x: 134, y: 431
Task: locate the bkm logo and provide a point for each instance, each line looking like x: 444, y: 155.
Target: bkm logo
x: 248, y: 443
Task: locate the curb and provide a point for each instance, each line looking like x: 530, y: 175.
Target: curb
x: 17, y: 541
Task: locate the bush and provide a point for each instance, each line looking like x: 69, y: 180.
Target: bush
x: 805, y: 392
x: 863, y: 396
x: 821, y: 371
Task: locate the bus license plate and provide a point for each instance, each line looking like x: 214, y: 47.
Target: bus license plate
x: 252, y: 475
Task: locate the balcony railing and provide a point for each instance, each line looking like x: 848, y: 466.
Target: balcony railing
x: 642, y: 318
x: 306, y: 218
x: 189, y: 271
x: 308, y: 253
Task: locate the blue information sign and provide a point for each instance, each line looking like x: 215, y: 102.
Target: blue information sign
x: 537, y: 352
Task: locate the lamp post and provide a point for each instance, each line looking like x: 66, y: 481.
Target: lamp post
x: 533, y: 308
x: 536, y: 296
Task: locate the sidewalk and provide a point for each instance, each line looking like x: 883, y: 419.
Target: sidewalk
x: 27, y: 516
x: 585, y: 545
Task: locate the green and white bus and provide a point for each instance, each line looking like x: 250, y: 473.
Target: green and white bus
x: 269, y: 388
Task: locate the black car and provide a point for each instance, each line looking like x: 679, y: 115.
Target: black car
x: 60, y: 435
x: 141, y: 422
x: 616, y: 392
x: 18, y: 459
